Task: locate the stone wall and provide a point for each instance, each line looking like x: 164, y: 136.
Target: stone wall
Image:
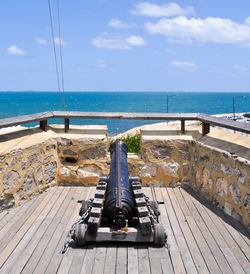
x: 81, y: 161
x: 218, y: 176
x: 26, y: 172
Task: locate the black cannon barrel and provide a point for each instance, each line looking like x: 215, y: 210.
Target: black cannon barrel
x: 119, y: 203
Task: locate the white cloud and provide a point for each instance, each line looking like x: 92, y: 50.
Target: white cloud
x: 185, y: 65
x: 41, y: 41
x: 247, y: 21
x: 217, y: 30
x: 109, y: 42
x: 240, y: 68
x: 57, y: 41
x: 136, y: 41
x: 101, y: 63
x: 164, y: 10
x: 118, y: 24
x: 15, y: 50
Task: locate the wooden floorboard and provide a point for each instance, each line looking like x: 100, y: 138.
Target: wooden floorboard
x: 200, y: 240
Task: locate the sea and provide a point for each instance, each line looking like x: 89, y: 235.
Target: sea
x: 22, y: 103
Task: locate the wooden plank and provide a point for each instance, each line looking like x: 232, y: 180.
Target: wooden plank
x: 76, y: 262
x: 51, y: 247
x: 18, y: 236
x: 166, y: 266
x: 99, y: 261
x: 121, y: 259
x: 232, y: 244
x: 155, y: 256
x: 132, y: 260
x: 175, y: 254
x: 143, y: 260
x: 206, y: 119
x: 23, y: 258
x: 179, y: 207
x: 20, y: 249
x: 185, y: 253
x: 204, y: 239
x: 47, y: 239
x: 226, y: 262
x: 16, y: 218
x: 58, y: 259
x: 124, y: 115
x: 222, y: 122
x: 25, y: 119
x: 88, y: 262
x: 66, y: 263
x: 237, y: 231
x: 13, y: 214
x: 110, y: 262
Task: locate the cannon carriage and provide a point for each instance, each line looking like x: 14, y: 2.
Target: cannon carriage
x: 119, y: 210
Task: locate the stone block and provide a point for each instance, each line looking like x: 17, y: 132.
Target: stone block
x: 236, y: 195
x: 11, y: 179
x: 50, y: 168
x: 246, y: 202
x: 23, y: 164
x: 185, y: 168
x: 64, y: 142
x: 16, y: 152
x: 2, y: 169
x: 204, y: 158
x: 227, y: 170
x: 93, y: 153
x: 2, y: 158
x: 34, y: 158
x: 221, y: 187
x: 149, y: 170
x: 89, y: 171
x: 69, y: 152
x: 198, y: 176
x: 29, y: 182
x: 170, y: 169
x: 65, y: 172
x: 184, y: 151
x: 161, y: 151
x: 241, y: 177
x: 214, y: 166
x: 206, y: 179
x: 39, y: 175
x: 6, y: 202
x: 227, y: 208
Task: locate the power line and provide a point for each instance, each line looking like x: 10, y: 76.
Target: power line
x: 53, y: 38
x: 60, y: 43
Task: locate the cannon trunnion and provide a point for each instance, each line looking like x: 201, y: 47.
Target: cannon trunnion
x: 119, y: 211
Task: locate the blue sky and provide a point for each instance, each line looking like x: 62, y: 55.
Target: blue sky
x: 123, y: 45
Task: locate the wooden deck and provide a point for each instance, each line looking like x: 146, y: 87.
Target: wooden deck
x: 32, y: 236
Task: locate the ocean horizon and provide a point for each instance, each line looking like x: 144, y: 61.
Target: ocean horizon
x: 16, y: 103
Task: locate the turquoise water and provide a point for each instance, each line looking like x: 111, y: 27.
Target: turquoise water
x: 21, y: 103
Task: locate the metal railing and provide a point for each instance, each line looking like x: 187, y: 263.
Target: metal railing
x: 206, y: 120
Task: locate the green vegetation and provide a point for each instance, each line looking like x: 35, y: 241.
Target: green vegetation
x: 133, y: 142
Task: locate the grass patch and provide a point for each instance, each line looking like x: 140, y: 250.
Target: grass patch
x: 132, y: 142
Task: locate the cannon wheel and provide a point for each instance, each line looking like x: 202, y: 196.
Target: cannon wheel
x: 155, y: 208
x: 80, y: 233
x: 159, y: 234
x: 84, y: 207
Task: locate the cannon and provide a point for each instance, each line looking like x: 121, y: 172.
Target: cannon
x: 119, y: 210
